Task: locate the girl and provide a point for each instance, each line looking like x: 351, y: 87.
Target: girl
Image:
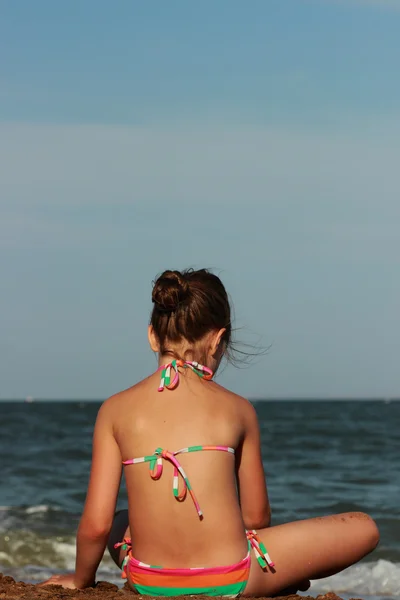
x: 199, y: 515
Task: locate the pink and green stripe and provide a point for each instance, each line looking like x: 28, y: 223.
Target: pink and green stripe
x: 263, y: 558
x: 228, y: 581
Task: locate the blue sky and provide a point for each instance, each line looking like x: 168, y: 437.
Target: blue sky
x: 259, y: 138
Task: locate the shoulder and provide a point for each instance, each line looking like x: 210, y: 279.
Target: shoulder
x: 241, y: 404
x: 118, y: 402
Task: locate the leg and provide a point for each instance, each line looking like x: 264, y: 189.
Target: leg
x: 119, y: 531
x: 311, y: 549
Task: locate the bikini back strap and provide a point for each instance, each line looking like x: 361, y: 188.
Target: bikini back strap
x: 200, y: 448
x: 167, y: 373
x: 156, y: 469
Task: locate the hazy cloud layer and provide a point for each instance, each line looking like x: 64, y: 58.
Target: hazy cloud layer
x: 304, y: 227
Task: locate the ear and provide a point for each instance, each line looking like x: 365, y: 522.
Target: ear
x: 216, y: 342
x: 153, y: 341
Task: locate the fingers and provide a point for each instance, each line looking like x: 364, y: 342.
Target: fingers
x: 304, y: 585
x: 51, y: 581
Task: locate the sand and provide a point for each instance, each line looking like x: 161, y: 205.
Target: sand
x: 12, y: 590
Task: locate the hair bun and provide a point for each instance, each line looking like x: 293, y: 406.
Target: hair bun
x: 170, y: 291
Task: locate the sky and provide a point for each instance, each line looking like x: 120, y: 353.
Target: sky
x: 257, y: 138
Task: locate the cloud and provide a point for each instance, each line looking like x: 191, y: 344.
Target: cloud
x: 303, y: 224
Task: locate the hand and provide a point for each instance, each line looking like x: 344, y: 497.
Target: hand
x: 67, y: 581
x: 302, y: 586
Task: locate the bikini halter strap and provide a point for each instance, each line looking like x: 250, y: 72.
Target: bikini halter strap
x: 166, y: 373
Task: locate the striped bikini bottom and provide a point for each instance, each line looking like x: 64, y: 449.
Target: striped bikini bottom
x: 229, y: 581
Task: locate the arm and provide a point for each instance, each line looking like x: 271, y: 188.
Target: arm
x: 101, y: 499
x: 253, y: 495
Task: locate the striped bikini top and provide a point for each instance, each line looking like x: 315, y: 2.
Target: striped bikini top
x: 156, y: 459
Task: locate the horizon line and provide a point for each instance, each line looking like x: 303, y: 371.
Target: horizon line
x: 30, y: 399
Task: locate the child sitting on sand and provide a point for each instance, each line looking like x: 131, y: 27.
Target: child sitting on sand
x: 199, y: 516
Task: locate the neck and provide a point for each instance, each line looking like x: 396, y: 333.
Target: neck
x: 166, y: 359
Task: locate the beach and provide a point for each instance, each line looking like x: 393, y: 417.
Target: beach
x: 12, y: 590
x: 18, y: 590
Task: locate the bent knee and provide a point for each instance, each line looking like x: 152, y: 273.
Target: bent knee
x: 369, y: 528
x: 373, y: 531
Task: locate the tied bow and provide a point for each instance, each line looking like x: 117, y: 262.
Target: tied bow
x: 259, y: 548
x: 156, y: 469
x: 166, y: 373
x: 126, y: 544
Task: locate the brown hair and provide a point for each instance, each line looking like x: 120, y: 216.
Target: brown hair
x: 187, y: 306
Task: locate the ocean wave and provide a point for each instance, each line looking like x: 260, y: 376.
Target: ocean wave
x: 31, y: 558
x: 377, y: 578
x: 36, y: 519
x: 30, y: 510
x: 41, y: 508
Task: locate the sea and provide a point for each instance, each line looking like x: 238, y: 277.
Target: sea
x: 320, y: 458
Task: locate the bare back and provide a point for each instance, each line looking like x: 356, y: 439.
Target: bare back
x: 197, y: 412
